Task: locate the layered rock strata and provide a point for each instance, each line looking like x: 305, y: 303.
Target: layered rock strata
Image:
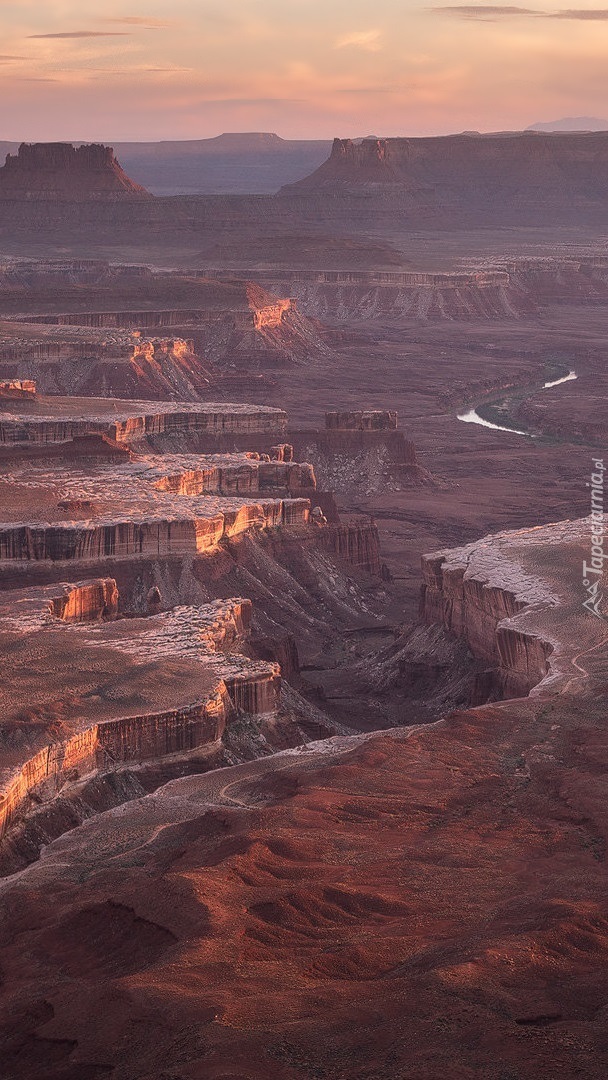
x: 511, y: 172
x: 174, y: 505
x: 119, y: 365
x: 516, y: 599
x: 269, y: 316
x: 126, y: 690
x: 17, y: 388
x: 365, y: 420
x: 58, y: 420
x: 88, y: 691
x: 360, y: 460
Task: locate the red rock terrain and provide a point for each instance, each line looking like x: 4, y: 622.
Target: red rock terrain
x: 401, y: 905
x: 85, y: 327
x: 62, y: 171
x: 508, y: 174
x: 169, y: 672
x: 419, y: 902
x: 416, y: 903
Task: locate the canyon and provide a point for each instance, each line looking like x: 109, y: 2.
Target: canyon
x: 134, y: 332
x: 335, y: 866
x: 302, y: 752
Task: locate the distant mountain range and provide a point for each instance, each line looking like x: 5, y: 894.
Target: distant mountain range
x: 572, y: 123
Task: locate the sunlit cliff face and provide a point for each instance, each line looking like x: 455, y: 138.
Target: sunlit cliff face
x: 193, y: 69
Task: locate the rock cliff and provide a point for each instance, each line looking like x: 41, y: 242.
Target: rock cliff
x: 175, y: 505
x: 17, y: 388
x: 501, y: 160
x: 134, y: 422
x: 94, y: 311
x: 519, y: 611
x: 109, y: 684
x: 49, y: 742
x: 360, y: 460
x: 62, y: 171
x: 510, y: 175
x: 369, y: 420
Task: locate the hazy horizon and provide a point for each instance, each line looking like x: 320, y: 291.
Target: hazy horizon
x: 77, y: 140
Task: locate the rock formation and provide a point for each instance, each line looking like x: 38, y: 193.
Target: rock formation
x: 135, y: 421
x: 369, y: 456
x: 18, y: 388
x: 343, y: 296
x: 81, y: 485
x: 199, y: 683
x: 524, y: 618
x: 370, y: 420
x: 171, y: 506
x: 139, y: 332
x: 512, y: 172
x: 61, y: 171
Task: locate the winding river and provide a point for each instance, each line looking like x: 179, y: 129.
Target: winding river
x: 473, y: 417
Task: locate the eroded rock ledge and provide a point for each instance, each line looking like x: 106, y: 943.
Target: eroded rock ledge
x: 146, y: 506
x: 132, y: 421
x: 516, y: 599
x: 92, y: 689
x: 115, y: 691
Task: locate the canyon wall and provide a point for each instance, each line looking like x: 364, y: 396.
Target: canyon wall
x: 105, y: 746
x: 266, y: 316
x: 346, y: 461
x: 219, y: 680
x: 87, y: 601
x: 516, y: 602
x: 472, y: 609
x: 511, y: 171
x: 14, y: 389
x: 356, y: 543
x: 90, y: 541
x: 140, y: 420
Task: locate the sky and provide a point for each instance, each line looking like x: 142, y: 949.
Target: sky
x: 187, y: 69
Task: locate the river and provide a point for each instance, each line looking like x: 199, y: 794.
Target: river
x: 473, y: 417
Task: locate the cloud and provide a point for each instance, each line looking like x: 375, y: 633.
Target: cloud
x: 585, y: 15
x: 81, y: 34
x: 6, y: 59
x: 368, y: 40
x: 492, y: 12
x: 484, y: 12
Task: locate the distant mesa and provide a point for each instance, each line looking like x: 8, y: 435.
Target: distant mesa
x: 246, y: 140
x: 63, y: 171
x: 527, y: 171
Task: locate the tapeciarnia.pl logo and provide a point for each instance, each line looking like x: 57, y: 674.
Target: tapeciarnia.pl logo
x: 593, y: 571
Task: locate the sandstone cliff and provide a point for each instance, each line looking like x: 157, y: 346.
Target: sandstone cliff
x: 508, y: 175
x: 518, y: 610
x: 62, y: 171
x: 138, y: 422
x: 200, y: 672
